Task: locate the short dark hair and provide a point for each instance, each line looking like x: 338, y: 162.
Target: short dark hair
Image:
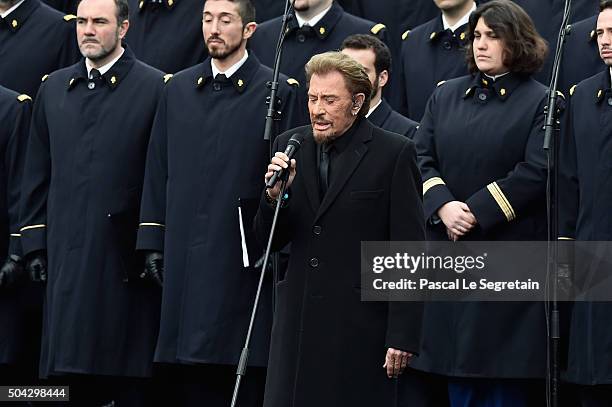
x: 246, y: 10
x: 605, y: 4
x: 382, y: 61
x: 525, y: 49
x: 122, y: 10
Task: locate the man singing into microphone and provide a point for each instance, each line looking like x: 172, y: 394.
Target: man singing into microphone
x: 349, y: 182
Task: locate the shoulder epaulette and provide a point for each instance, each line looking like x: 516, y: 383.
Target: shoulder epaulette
x: 405, y: 34
x: 69, y: 17
x: 440, y: 83
x: 293, y: 82
x: 44, y: 78
x: 167, y: 77
x: 22, y: 98
x: 377, y: 28
x: 572, y: 90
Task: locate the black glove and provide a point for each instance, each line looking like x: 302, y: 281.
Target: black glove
x: 12, y: 271
x: 154, y: 268
x: 36, y: 266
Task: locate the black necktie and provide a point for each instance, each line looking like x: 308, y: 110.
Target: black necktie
x: 324, y: 168
x: 95, y: 74
x: 221, y: 78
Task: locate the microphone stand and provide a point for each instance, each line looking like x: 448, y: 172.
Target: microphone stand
x: 551, y: 136
x: 272, y: 115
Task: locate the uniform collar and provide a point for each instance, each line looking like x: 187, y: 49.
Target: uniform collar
x: 603, y: 91
x: 438, y: 32
x: 232, y: 69
x: 240, y: 79
x: 113, y: 77
x: 169, y: 4
x: 104, y: 68
x: 503, y: 87
x: 380, y: 114
x: 325, y: 26
x: 16, y: 19
x: 313, y: 21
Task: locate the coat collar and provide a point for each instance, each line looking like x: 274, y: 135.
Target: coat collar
x: 438, y: 32
x: 17, y: 18
x: 113, y: 77
x: 603, y: 90
x: 325, y: 26
x: 240, y: 79
x: 344, y: 168
x: 502, y: 88
x: 379, y: 116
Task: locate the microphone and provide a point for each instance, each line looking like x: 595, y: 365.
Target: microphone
x: 293, y: 146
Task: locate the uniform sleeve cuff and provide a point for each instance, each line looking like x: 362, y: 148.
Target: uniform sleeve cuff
x: 33, y: 238
x: 435, y: 194
x: 490, y: 206
x: 151, y: 236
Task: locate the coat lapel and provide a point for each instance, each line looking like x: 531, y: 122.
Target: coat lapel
x: 347, y: 163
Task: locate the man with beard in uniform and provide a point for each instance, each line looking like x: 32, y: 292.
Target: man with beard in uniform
x: 375, y: 57
x: 18, y: 354
x: 318, y: 26
x: 81, y: 195
x: 166, y: 33
x: 434, y: 52
x: 585, y: 191
x: 202, y: 185
x: 35, y: 40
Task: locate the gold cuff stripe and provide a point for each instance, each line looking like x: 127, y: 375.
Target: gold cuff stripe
x: 565, y: 238
x: 15, y: 234
x: 432, y: 182
x: 502, y: 201
x: 152, y: 224
x: 23, y: 229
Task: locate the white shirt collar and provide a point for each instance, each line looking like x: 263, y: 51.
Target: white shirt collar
x: 9, y: 11
x: 373, y: 108
x: 496, y: 77
x: 232, y: 69
x: 464, y: 20
x: 104, y: 68
x: 611, y: 75
x: 313, y: 21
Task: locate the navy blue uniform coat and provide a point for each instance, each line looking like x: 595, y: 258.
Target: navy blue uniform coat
x: 386, y: 118
x: 207, y: 152
x: 81, y: 194
x: 586, y: 190
x: 15, y: 112
x: 35, y: 40
x: 480, y: 142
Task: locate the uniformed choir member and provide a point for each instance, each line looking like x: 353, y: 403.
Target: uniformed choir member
x: 483, y: 167
x: 585, y: 189
x: 81, y: 195
x: 433, y: 52
x: 35, y: 40
x: 166, y: 33
x: 547, y: 17
x: 18, y: 351
x: 327, y: 346
x: 318, y: 26
x: 205, y: 160
x: 580, y: 56
x: 375, y: 57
